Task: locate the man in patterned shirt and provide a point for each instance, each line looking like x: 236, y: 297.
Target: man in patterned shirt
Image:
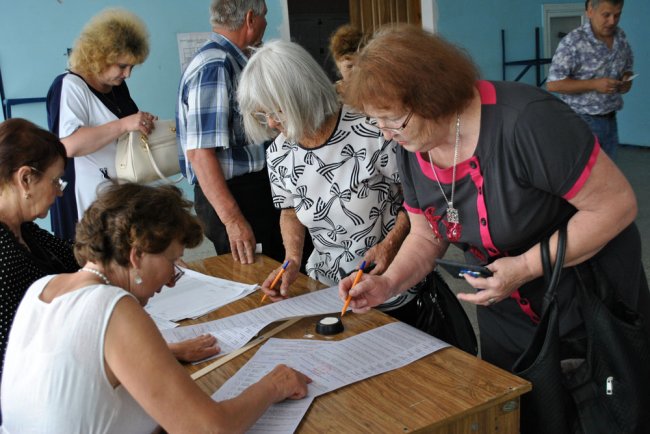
x: 591, y: 69
x: 232, y: 196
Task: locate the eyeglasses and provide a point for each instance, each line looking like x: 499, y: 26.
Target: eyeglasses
x: 178, y: 273
x: 263, y: 118
x: 375, y: 123
x: 58, y: 182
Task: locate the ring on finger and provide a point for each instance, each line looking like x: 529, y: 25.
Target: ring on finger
x: 491, y: 301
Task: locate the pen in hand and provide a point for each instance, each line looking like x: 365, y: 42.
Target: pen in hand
x: 356, y: 280
x: 277, y: 279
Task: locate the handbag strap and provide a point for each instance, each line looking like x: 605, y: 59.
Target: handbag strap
x: 145, y: 142
x: 552, y: 272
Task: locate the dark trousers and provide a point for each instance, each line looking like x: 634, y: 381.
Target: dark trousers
x: 253, y: 195
x: 63, y: 212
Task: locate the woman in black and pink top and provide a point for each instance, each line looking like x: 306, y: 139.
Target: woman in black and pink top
x: 493, y: 168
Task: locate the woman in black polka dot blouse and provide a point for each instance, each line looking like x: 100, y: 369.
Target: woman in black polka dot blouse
x: 31, y: 164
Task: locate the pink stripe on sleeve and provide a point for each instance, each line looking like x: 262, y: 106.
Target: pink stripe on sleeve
x: 487, y: 91
x: 411, y: 209
x: 585, y: 173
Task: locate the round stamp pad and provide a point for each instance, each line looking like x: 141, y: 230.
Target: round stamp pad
x: 330, y: 325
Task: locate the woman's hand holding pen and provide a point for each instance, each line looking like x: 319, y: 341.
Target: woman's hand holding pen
x: 279, y: 289
x: 369, y: 292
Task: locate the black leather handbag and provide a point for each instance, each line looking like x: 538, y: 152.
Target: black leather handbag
x: 607, y: 388
x: 440, y: 314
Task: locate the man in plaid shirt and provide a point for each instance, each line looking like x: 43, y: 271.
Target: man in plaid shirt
x: 232, y: 194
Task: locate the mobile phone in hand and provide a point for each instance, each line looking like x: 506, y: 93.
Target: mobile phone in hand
x: 458, y: 269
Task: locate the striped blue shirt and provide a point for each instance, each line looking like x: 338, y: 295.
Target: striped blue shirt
x: 207, y: 114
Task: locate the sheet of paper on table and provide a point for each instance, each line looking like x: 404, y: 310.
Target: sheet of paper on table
x: 330, y: 364
x: 163, y: 323
x: 195, y: 294
x: 235, y: 331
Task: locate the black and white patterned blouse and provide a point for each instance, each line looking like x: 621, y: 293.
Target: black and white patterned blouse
x: 19, y: 268
x: 346, y: 192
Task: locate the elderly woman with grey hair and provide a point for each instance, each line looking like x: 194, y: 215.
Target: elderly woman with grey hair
x: 331, y: 172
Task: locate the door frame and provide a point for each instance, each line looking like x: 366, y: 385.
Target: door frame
x: 429, y: 9
x: 556, y: 10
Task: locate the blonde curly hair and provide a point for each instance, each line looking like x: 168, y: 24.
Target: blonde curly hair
x: 108, y: 36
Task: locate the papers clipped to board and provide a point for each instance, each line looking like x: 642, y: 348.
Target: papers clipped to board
x: 195, y: 294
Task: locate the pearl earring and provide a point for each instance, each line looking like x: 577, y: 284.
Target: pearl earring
x: 28, y: 196
x: 138, y: 279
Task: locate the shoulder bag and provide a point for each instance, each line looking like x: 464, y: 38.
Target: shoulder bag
x: 440, y: 314
x: 146, y: 158
x: 596, y: 381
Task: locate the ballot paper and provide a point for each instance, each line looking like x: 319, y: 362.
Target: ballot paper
x: 235, y: 331
x: 330, y: 365
x: 162, y: 323
x: 195, y: 294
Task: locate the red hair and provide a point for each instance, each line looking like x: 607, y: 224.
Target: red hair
x: 406, y: 65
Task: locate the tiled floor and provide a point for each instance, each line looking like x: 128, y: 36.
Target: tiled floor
x: 633, y: 161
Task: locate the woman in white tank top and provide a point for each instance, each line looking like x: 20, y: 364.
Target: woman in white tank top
x: 84, y: 357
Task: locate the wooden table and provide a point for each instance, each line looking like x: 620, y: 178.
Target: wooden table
x: 447, y: 392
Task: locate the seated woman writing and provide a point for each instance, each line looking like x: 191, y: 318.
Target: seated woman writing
x: 88, y: 328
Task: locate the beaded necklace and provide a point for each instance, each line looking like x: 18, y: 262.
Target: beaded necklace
x: 97, y: 273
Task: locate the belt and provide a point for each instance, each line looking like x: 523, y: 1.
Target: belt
x: 609, y: 115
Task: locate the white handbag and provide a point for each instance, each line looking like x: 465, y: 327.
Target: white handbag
x: 145, y: 158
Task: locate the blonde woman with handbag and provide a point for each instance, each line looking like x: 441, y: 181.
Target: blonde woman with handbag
x: 92, y: 111
x: 90, y: 106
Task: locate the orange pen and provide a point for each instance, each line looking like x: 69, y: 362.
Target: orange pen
x: 277, y: 279
x: 356, y: 280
